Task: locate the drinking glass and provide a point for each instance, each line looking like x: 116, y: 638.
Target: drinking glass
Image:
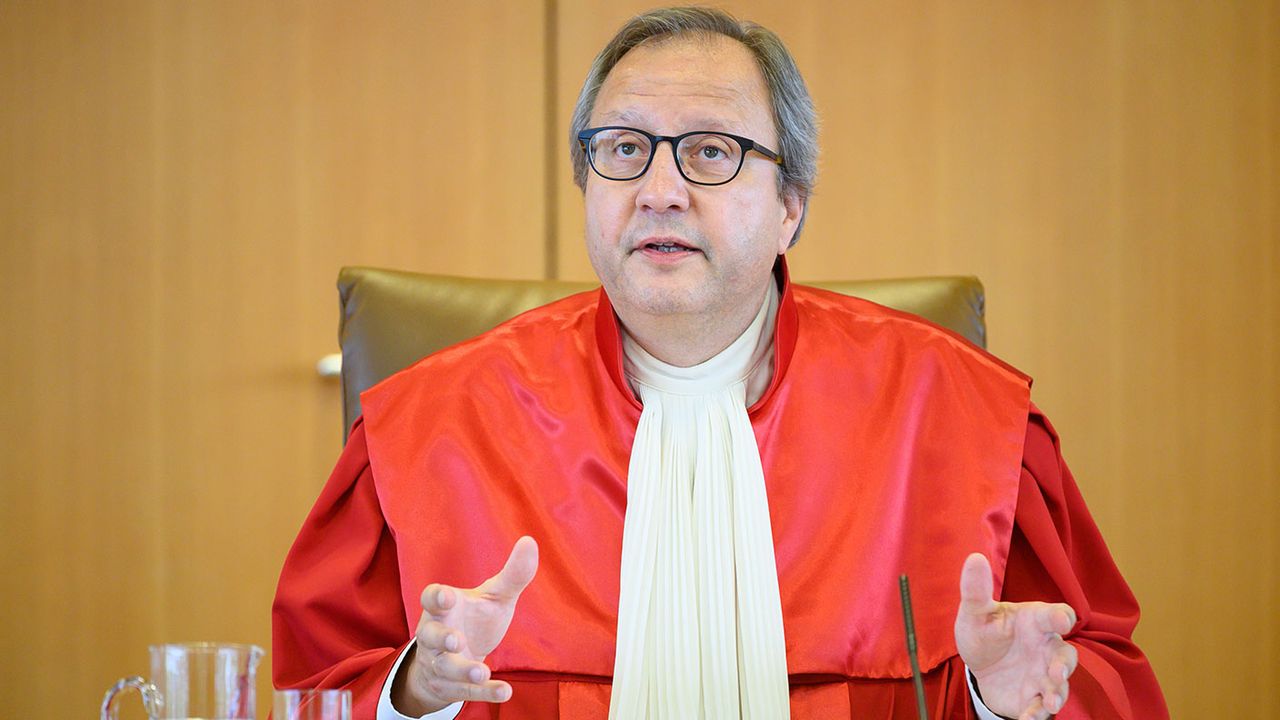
x: 312, y: 705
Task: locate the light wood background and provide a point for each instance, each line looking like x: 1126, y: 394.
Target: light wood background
x: 180, y: 182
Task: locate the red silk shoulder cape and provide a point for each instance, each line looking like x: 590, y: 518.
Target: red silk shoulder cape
x: 889, y: 446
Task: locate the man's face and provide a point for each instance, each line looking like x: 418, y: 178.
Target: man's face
x: 726, y: 237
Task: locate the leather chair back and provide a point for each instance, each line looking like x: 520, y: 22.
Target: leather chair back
x: 392, y: 318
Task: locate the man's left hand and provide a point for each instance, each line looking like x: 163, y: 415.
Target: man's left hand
x: 1014, y: 650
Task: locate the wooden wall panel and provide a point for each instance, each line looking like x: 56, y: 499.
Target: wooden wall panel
x: 180, y: 184
x: 1110, y: 171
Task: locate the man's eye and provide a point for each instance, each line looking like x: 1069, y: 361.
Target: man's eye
x: 626, y: 148
x: 710, y: 150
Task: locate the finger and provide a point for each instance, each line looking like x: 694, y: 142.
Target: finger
x: 1051, y: 618
x: 1070, y: 658
x: 1054, y: 700
x: 1063, y: 693
x: 460, y: 669
x: 1051, y: 691
x: 437, y: 637
x: 518, y: 572
x: 977, y: 586
x: 438, y: 599
x: 451, y: 691
x: 1055, y: 687
x: 1034, y: 711
x: 1062, y: 661
x: 1069, y: 618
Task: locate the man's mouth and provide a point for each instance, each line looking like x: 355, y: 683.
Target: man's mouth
x: 667, y: 247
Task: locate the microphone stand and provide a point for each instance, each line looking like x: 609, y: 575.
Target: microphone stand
x: 910, y: 623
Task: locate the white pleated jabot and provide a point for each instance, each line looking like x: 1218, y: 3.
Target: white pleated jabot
x: 699, y: 616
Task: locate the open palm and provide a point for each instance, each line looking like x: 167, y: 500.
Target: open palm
x: 1014, y: 650
x: 457, y: 630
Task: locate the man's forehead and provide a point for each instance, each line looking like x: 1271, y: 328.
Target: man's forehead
x: 715, y: 83
x: 633, y: 117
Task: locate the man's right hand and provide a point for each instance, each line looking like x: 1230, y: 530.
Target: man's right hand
x: 457, y: 630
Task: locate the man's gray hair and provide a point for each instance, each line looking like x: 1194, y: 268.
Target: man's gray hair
x: 794, y: 118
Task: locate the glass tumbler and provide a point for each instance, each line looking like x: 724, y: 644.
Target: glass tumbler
x: 312, y: 705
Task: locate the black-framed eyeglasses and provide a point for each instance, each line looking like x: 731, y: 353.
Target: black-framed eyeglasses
x: 702, y: 157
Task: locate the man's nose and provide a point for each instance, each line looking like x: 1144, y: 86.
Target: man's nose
x: 662, y: 187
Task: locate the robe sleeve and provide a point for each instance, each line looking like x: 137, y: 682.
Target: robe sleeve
x: 338, y: 620
x: 1057, y: 555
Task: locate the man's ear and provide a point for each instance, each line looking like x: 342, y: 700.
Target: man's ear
x: 793, y: 209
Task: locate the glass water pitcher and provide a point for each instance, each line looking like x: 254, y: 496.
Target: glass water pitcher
x: 210, y: 681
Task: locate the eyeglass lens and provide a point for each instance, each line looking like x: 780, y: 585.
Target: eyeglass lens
x: 620, y: 154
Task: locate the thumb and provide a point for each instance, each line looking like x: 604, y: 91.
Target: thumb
x: 976, y: 586
x: 516, y: 575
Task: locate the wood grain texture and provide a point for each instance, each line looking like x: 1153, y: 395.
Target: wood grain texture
x: 181, y: 181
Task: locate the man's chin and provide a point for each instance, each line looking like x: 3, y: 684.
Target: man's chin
x: 654, y: 300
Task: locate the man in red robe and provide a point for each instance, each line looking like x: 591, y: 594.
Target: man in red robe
x: 724, y: 473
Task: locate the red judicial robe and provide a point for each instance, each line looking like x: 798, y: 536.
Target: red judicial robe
x: 888, y: 445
